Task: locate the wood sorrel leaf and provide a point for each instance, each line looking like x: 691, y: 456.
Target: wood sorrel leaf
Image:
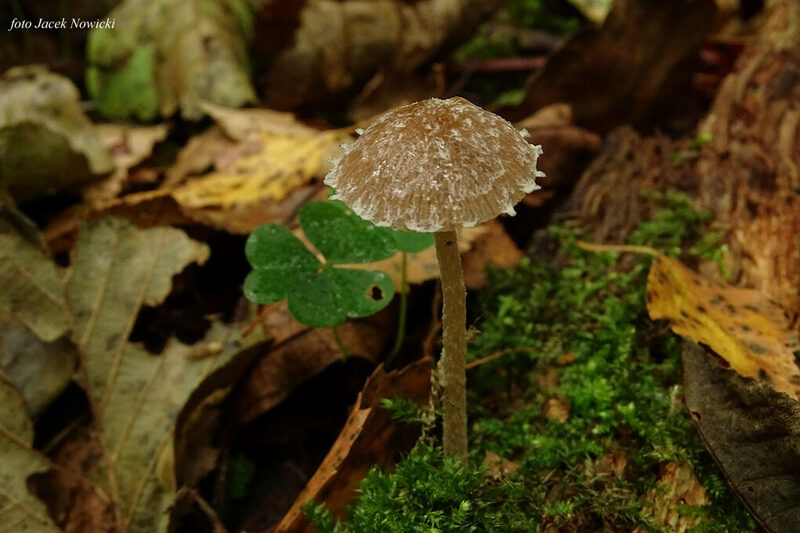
x: 410, y: 242
x: 280, y: 263
x: 336, y: 294
x: 342, y: 236
x: 319, y: 294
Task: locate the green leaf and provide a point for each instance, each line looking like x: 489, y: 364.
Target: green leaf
x: 320, y: 295
x: 336, y: 294
x: 280, y: 262
x: 132, y: 91
x: 411, y: 242
x: 342, y: 236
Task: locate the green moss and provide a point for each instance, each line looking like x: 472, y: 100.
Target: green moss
x: 575, y: 331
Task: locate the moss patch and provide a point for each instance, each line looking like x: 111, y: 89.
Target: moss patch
x: 584, y: 407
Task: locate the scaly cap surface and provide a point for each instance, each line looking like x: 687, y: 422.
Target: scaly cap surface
x: 436, y: 165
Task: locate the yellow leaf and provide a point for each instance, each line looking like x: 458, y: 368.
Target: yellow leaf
x: 748, y: 331
x: 280, y: 164
x: 262, y: 163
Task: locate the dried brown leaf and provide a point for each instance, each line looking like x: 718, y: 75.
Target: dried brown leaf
x: 677, y: 486
x: 370, y: 437
x: 47, y: 143
x: 129, y: 146
x: 752, y: 431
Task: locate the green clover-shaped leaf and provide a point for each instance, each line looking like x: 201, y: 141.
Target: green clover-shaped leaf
x: 410, y: 242
x: 280, y: 263
x: 342, y: 236
x: 320, y: 293
x: 336, y: 294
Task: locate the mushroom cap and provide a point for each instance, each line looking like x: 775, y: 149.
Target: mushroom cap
x: 436, y: 165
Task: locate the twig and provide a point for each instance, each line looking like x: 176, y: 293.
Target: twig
x: 209, y: 511
x: 497, y: 355
x: 500, y: 64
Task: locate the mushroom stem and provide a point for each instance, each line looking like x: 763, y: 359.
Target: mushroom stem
x: 452, y: 371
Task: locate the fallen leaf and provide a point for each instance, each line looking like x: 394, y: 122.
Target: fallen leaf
x: 748, y: 331
x: 47, y: 144
x: 234, y: 136
x: 31, y: 283
x: 135, y: 396
x: 21, y: 511
x: 494, y: 247
x: 239, y: 124
x: 677, y: 486
x: 196, y: 439
x: 369, y: 438
x: 74, y: 502
x: 202, y: 152
x: 262, y: 162
x: 41, y: 370
x: 753, y: 433
x: 160, y: 208
x: 148, y: 209
x: 594, y: 10
x: 556, y: 409
x: 497, y: 467
x: 116, y: 269
x: 299, y: 353
x: 152, y: 64
x: 279, y: 165
x: 129, y: 146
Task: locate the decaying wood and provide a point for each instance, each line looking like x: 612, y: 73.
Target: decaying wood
x: 608, y: 197
x: 317, y: 48
x: 748, y: 175
x: 637, y: 60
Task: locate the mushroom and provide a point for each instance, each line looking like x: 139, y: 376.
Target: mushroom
x: 435, y: 166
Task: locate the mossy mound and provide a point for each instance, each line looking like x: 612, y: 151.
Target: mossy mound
x: 578, y: 424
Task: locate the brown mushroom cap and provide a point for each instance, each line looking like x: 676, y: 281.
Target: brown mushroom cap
x: 436, y: 165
